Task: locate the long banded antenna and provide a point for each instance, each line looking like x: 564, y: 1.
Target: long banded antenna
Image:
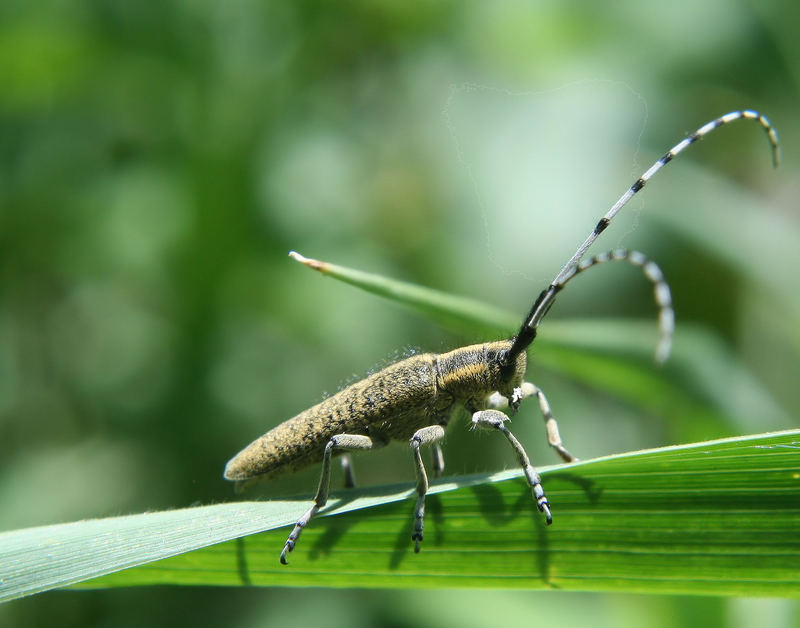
x: 545, y: 299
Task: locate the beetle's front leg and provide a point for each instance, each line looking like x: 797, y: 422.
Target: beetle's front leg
x: 494, y: 419
x: 498, y: 401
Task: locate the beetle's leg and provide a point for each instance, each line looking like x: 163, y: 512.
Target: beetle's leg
x: 553, y: 437
x: 346, y: 442
x: 349, y: 474
x: 425, y: 436
x: 494, y: 419
x: 498, y: 401
x: 438, y: 460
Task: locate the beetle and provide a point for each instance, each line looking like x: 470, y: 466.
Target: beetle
x: 414, y: 399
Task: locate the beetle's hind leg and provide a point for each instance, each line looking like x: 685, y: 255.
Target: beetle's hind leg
x: 494, y: 419
x: 342, y: 442
x: 347, y: 469
x: 425, y: 436
x: 438, y: 460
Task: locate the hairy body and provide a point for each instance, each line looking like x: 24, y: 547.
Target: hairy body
x: 391, y: 404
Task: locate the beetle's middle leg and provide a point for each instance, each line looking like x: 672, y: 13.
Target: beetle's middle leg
x: 424, y: 436
x: 497, y: 401
x: 342, y: 442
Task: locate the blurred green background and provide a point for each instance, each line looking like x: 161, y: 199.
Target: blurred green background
x: 159, y: 160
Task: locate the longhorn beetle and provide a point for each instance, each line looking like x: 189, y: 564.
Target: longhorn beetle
x: 413, y: 399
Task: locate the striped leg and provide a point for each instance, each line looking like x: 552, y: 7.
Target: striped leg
x: 553, y: 437
x: 497, y: 401
x: 493, y: 419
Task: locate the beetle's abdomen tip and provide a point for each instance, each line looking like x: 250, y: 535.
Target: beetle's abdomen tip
x: 234, y: 471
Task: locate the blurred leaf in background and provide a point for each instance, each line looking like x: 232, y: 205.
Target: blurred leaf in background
x: 158, y: 161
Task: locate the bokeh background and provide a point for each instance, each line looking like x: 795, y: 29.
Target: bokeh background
x: 159, y: 160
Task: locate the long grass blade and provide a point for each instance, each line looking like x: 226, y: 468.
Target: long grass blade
x: 718, y: 517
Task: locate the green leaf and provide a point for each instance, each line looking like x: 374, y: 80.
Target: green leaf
x: 702, y: 376
x: 615, y: 356
x: 457, y: 312
x: 718, y: 517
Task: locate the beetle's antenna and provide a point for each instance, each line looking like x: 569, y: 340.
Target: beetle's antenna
x: 661, y: 291
x: 544, y: 301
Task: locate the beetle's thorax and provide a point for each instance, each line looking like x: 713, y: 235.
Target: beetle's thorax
x: 476, y: 371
